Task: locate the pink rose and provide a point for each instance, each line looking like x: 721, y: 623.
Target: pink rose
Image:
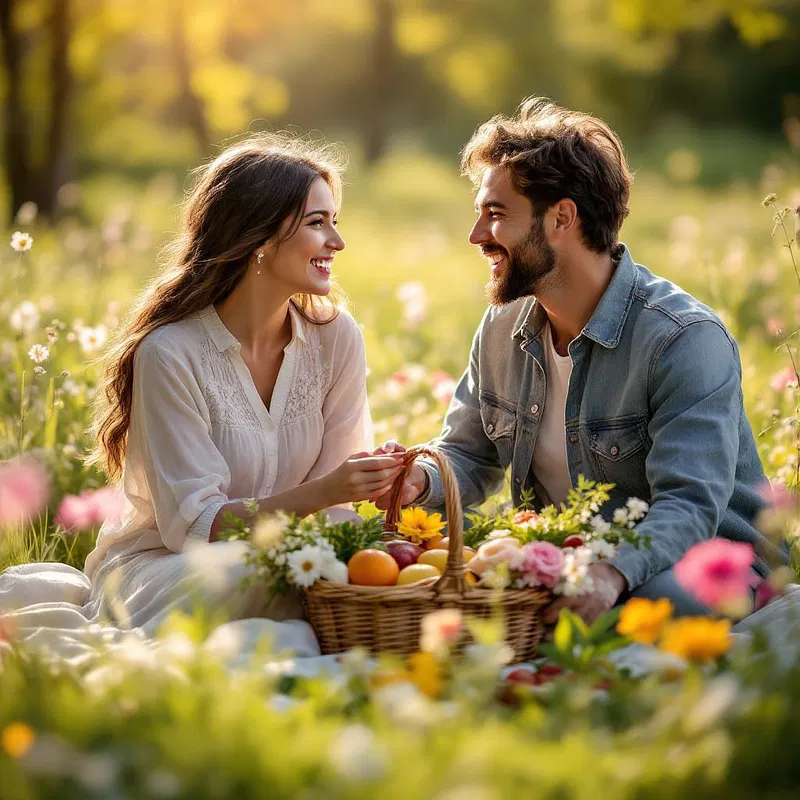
x: 24, y: 489
x: 540, y: 562
x: 717, y: 572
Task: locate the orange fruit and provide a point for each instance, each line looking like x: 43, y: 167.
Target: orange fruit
x: 416, y: 572
x: 472, y: 578
x: 372, y: 568
x: 434, y: 542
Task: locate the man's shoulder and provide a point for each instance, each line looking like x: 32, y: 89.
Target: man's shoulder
x: 506, y: 320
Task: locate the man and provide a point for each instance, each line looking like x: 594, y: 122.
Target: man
x: 587, y: 363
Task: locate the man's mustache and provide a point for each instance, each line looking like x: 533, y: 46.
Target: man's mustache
x: 488, y: 251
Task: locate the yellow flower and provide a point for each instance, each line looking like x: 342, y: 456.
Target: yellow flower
x: 426, y: 673
x: 17, y: 739
x: 644, y: 620
x: 418, y: 525
x: 698, y: 639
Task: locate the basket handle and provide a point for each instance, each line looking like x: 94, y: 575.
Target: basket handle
x: 453, y: 579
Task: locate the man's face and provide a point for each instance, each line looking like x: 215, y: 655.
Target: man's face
x: 512, y: 237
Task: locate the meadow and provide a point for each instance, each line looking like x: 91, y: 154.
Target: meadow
x: 176, y: 723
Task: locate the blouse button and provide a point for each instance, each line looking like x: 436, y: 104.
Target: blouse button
x: 614, y: 450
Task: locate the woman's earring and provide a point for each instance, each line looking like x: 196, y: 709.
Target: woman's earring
x: 259, y: 259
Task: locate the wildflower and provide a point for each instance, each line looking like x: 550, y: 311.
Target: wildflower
x: 443, y: 386
x: 425, y: 673
x: 305, y: 565
x: 92, y: 339
x: 575, y: 575
x: 24, y: 488
x: 644, y: 620
x: 25, y: 317
x: 418, y: 525
x: 540, y: 562
x: 89, y: 509
x: 699, y: 639
x: 769, y: 199
x: 39, y: 353
x: 783, y: 380
x: 621, y: 516
x: 17, y: 739
x: 357, y: 755
x: 717, y: 572
x: 601, y: 548
x: 440, y: 630
x: 268, y: 531
x: 500, y: 533
x: 636, y: 508
x: 21, y: 241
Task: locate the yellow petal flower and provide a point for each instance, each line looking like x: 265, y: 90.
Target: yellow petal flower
x: 699, y: 639
x: 644, y: 620
x: 426, y: 673
x: 17, y: 739
x: 418, y: 525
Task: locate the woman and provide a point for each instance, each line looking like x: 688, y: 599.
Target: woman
x: 237, y: 376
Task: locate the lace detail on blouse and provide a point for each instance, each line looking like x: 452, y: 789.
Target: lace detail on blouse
x: 312, y: 379
x: 227, y: 402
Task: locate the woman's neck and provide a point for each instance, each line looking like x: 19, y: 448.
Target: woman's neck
x: 259, y: 322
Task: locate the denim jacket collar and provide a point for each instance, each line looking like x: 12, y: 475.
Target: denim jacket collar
x: 606, y: 323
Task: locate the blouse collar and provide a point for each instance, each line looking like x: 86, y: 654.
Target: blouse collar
x: 224, y: 339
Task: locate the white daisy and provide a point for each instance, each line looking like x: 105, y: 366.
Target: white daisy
x: 305, y: 565
x: 39, y: 353
x: 21, y: 241
x: 92, y: 339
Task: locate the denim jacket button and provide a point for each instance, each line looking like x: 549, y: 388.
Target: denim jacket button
x: 573, y: 438
x: 614, y: 450
x: 535, y: 408
x: 489, y: 428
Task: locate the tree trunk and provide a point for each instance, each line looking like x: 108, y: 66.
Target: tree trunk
x: 21, y: 181
x: 191, y: 104
x: 54, y: 171
x: 381, y: 82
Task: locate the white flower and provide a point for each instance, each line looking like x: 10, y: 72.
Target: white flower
x: 27, y: 213
x: 440, y: 630
x: 500, y: 533
x: 494, y: 656
x: 357, y: 755
x: 92, y: 339
x: 496, y: 577
x: 602, y: 549
x: 21, y: 241
x: 599, y: 525
x: 583, y: 555
x: 621, y: 516
x: 25, y: 317
x: 414, y: 299
x: 39, y: 353
x: 335, y: 571
x: 636, y: 508
x: 305, y: 565
x: 575, y: 579
x: 268, y: 532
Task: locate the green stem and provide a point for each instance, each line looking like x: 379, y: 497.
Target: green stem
x: 21, y: 412
x: 789, y: 242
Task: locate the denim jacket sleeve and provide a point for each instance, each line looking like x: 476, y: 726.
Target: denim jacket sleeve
x: 695, y: 402
x: 471, y: 453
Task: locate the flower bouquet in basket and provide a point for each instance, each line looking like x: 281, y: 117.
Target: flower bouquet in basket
x: 370, y: 584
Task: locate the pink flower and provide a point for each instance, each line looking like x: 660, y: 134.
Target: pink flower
x: 778, y: 496
x: 764, y: 593
x: 89, y: 509
x: 541, y: 562
x: 443, y: 386
x: 783, y: 380
x: 494, y: 552
x: 24, y: 489
x: 716, y: 572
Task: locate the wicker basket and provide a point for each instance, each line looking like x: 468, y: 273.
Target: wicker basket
x: 388, y: 618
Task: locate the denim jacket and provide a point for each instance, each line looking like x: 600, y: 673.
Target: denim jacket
x: 654, y: 406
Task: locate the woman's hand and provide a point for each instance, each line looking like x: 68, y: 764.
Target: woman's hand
x: 361, y: 477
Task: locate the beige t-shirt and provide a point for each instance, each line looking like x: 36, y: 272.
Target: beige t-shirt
x: 549, y: 461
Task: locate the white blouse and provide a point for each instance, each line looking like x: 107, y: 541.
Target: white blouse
x: 200, y: 435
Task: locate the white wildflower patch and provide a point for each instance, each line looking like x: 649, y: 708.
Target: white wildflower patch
x: 21, y: 241
x: 25, y: 317
x: 92, y: 339
x: 39, y: 353
x: 306, y: 565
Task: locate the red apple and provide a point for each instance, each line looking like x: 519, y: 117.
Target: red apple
x: 403, y: 552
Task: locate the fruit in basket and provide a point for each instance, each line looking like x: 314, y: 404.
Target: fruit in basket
x: 438, y: 558
x: 445, y: 544
x: 403, y: 552
x: 434, y: 542
x: 572, y: 541
x: 417, y: 572
x: 372, y: 567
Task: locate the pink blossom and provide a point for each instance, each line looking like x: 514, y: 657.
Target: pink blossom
x: 783, y: 380
x: 764, y: 593
x: 716, y: 572
x: 493, y: 553
x: 89, y: 509
x: 778, y: 496
x: 541, y: 561
x: 24, y: 489
x: 443, y: 386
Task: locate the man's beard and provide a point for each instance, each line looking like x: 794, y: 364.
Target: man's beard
x: 525, y: 266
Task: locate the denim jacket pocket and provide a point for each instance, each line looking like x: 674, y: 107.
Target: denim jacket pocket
x: 499, y: 420
x: 619, y: 448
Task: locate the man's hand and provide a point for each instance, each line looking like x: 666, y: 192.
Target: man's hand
x: 609, y: 584
x: 415, y: 484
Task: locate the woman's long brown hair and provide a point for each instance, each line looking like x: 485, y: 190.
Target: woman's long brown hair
x: 238, y: 202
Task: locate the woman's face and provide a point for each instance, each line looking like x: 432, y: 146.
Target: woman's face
x: 303, y: 263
